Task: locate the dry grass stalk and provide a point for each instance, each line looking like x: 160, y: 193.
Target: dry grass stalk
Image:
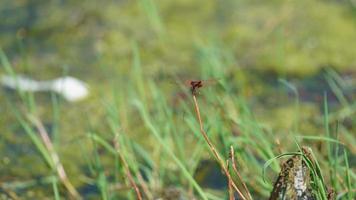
x: 54, y: 156
x: 213, y: 149
x: 233, y: 163
x: 231, y: 191
x: 144, y: 186
x: 127, y: 169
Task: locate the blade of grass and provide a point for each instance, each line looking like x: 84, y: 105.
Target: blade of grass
x: 8, y: 69
x: 350, y: 194
x: 24, y: 185
x: 333, y: 80
x: 320, y: 138
x: 270, y: 161
x: 101, y: 180
x: 55, y: 189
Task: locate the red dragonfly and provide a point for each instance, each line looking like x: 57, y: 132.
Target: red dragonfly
x: 194, y: 85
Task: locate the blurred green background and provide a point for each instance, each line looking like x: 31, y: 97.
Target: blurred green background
x: 259, y: 50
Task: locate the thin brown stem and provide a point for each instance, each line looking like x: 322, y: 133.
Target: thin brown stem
x: 127, y: 169
x: 55, y: 158
x: 233, y: 163
x: 231, y: 191
x: 144, y: 186
x: 212, y: 148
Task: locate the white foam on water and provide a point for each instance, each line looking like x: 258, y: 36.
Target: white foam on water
x: 72, y: 89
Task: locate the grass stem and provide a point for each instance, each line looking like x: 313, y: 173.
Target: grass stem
x: 127, y: 169
x: 55, y: 158
x: 213, y: 149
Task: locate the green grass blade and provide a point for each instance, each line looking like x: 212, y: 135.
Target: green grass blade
x: 55, y: 189
x: 350, y: 192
